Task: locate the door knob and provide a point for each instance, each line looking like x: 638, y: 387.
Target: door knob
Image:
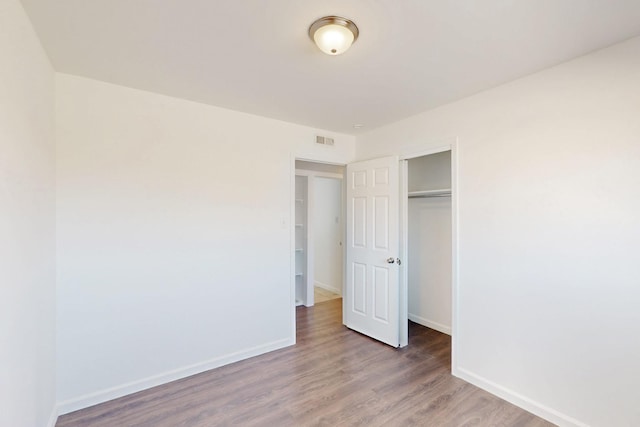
x: 391, y: 260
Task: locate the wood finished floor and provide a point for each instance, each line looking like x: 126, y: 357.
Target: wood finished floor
x: 331, y: 377
x: 322, y: 295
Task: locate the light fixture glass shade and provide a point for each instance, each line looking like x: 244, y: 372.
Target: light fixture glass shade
x: 333, y: 34
x: 333, y: 39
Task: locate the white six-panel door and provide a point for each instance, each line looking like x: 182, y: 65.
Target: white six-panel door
x: 371, y: 301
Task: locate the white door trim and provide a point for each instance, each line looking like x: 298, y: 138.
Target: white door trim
x: 403, y: 285
x: 434, y: 150
x: 292, y: 244
x: 304, y: 172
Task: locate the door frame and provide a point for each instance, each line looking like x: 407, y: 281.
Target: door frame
x: 310, y: 237
x: 404, y: 206
x: 292, y: 225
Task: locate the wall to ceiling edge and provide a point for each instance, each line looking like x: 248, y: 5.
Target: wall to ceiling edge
x: 174, y: 236
x: 548, y: 234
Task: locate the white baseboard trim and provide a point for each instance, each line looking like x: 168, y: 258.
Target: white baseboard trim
x: 517, y: 399
x: 328, y: 287
x: 102, y: 396
x: 430, y: 324
x: 53, y: 419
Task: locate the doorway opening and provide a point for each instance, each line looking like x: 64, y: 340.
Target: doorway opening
x: 429, y: 250
x: 319, y: 232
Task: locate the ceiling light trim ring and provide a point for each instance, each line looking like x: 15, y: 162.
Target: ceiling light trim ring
x: 334, y: 20
x: 333, y: 35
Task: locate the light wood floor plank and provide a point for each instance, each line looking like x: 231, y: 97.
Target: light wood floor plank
x: 322, y: 295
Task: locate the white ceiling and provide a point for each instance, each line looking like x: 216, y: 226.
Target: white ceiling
x: 255, y: 55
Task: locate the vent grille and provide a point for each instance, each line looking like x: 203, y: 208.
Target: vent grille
x: 324, y: 140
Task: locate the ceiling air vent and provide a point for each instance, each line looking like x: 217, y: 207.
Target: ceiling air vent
x: 324, y: 140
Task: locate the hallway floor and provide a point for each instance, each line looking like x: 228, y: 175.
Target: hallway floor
x: 322, y: 295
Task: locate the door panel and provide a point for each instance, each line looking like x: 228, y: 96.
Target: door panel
x: 359, y: 288
x: 359, y: 225
x: 372, y: 290
x: 380, y: 292
x: 381, y: 223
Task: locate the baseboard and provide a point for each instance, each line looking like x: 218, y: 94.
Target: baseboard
x: 523, y: 402
x: 430, y: 324
x: 328, y: 287
x: 53, y: 419
x: 166, y: 377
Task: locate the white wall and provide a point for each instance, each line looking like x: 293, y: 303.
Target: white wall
x: 430, y: 172
x: 174, y: 236
x: 549, y: 234
x: 327, y: 233
x: 429, y: 241
x: 27, y: 225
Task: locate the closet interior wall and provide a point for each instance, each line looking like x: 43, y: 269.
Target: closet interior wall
x: 429, y: 241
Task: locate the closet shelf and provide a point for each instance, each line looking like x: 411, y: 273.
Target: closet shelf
x: 445, y: 192
x: 299, y: 200
x: 299, y: 249
x: 299, y: 274
x: 299, y: 225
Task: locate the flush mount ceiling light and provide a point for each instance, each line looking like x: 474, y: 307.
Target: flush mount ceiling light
x: 333, y: 34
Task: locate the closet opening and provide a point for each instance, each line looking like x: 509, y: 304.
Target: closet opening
x: 319, y: 232
x: 429, y: 240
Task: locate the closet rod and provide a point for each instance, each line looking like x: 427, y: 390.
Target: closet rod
x: 430, y: 193
x: 430, y: 196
